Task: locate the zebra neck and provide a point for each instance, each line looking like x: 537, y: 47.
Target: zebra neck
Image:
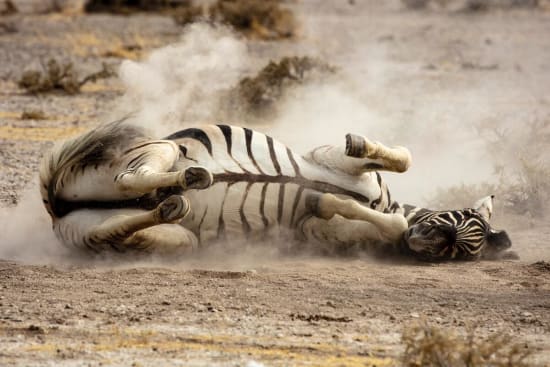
x: 413, y: 213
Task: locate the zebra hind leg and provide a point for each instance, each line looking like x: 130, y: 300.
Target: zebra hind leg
x: 397, y: 159
x: 360, y: 155
x: 151, y: 231
x: 385, y: 226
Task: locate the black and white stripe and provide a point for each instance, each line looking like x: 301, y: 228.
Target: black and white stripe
x: 259, y: 183
x: 469, y: 227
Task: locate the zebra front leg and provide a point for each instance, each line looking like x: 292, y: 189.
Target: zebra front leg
x: 390, y: 226
x: 148, y: 166
x: 144, y: 179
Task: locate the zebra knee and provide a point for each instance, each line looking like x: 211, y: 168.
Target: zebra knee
x: 321, y: 205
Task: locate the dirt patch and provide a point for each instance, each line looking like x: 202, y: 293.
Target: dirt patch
x: 311, y: 311
x: 220, y: 274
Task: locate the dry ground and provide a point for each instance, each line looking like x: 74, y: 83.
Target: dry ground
x: 278, y: 311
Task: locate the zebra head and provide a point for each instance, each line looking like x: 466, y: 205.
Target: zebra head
x: 456, y: 234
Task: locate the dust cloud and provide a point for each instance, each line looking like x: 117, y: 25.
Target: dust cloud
x: 181, y: 84
x: 26, y: 232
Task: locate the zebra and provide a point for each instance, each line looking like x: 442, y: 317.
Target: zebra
x: 115, y: 188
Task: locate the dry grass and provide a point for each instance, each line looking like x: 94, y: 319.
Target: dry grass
x: 56, y: 76
x: 264, y: 19
x: 8, y: 8
x: 259, y: 95
x: 426, y: 345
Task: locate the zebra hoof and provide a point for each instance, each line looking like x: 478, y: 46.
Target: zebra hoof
x: 174, y: 208
x: 355, y: 146
x: 197, y: 178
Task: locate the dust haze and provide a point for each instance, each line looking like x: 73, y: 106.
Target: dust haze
x: 454, y: 135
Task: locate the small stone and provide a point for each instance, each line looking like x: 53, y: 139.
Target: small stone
x: 414, y: 315
x: 36, y: 329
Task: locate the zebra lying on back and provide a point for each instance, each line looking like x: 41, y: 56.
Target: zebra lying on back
x: 116, y: 188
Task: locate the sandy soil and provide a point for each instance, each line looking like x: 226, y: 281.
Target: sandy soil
x: 270, y: 309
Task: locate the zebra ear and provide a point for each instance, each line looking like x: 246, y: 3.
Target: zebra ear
x: 484, y: 206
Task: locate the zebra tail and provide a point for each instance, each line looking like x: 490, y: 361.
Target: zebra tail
x: 95, y: 147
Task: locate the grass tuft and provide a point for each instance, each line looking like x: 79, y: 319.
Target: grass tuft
x: 427, y: 345
x: 33, y: 115
x: 56, y: 76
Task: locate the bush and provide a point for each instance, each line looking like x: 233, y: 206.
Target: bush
x: 259, y: 95
x: 264, y: 19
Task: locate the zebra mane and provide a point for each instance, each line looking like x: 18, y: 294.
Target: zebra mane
x: 99, y: 145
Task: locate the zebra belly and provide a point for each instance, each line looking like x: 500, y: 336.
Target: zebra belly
x: 244, y: 210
